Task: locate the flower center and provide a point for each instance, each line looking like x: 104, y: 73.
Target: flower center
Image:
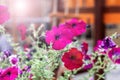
x: 72, y: 57
x: 9, y: 73
x: 73, y: 25
x: 57, y: 37
x: 116, y: 56
x: 107, y: 43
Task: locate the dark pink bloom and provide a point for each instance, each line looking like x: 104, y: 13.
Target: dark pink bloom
x: 0, y: 71
x: 59, y: 37
x: 76, y: 27
x: 73, y: 59
x: 88, y: 63
x: 22, y: 29
x: 84, y: 47
x: 114, y: 55
x: 99, y: 48
x: 4, y: 14
x: 13, y: 59
x: 10, y: 73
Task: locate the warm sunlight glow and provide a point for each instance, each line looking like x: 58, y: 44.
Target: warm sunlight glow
x: 20, y: 5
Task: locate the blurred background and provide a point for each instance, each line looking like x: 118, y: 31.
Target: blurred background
x: 102, y: 16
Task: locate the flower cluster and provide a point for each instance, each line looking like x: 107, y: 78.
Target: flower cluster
x: 108, y: 47
x: 64, y: 34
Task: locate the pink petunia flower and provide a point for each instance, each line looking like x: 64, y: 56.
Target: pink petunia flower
x: 98, y: 47
x: 10, y: 73
x: 76, y: 27
x: 114, y: 55
x: 59, y: 37
x: 72, y: 59
x: 4, y: 14
x: 13, y: 59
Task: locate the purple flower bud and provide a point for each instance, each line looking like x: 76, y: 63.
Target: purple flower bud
x: 7, y: 53
x: 26, y: 68
x: 29, y: 55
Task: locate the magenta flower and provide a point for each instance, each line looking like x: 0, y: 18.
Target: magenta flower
x: 76, y: 27
x: 84, y: 47
x: 10, y: 73
x: 59, y: 37
x: 4, y: 14
x: 114, y: 55
x: 0, y: 71
x: 99, y: 48
x: 13, y: 59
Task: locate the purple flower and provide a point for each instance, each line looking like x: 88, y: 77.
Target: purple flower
x: 59, y: 37
x: 76, y: 27
x: 13, y: 59
x: 108, y: 43
x: 4, y: 14
x: 29, y: 56
x: 26, y: 68
x: 103, y: 45
x: 114, y: 55
x: 7, y: 53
